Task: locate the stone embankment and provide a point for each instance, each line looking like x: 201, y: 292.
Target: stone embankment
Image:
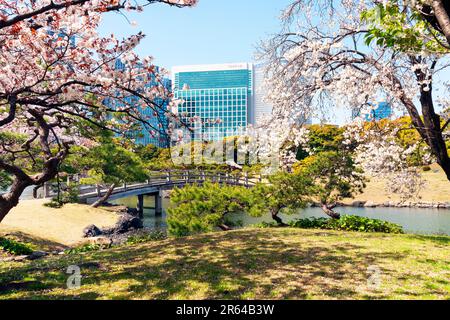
x: 400, y: 204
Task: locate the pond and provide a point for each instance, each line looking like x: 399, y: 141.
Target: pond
x: 413, y: 220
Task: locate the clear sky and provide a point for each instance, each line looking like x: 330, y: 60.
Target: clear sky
x: 214, y: 31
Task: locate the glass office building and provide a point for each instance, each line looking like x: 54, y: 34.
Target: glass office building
x: 383, y: 110
x: 155, y: 132
x: 261, y: 106
x: 217, y: 99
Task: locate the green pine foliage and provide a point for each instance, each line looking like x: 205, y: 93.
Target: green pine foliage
x: 203, y: 208
x: 334, y: 173
x: 283, y: 192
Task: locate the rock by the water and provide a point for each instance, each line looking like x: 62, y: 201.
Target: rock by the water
x: 358, y: 203
x: 133, y: 212
x: 91, y: 231
x: 127, y: 223
x: 370, y: 204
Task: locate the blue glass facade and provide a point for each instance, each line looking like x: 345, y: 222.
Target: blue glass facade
x: 214, y: 79
x: 220, y: 98
x: 382, y: 111
x: 155, y: 132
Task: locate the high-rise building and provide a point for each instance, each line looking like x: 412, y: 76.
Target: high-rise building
x: 219, y: 97
x: 383, y: 110
x: 223, y: 99
x: 261, y: 106
x: 155, y: 130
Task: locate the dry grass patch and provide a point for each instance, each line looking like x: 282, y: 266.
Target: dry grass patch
x: 436, y: 189
x: 62, y: 226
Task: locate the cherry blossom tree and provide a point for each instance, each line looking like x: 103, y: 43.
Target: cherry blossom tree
x: 350, y: 54
x: 60, y: 79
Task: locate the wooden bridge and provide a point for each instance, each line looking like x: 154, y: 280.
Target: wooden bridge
x: 154, y: 186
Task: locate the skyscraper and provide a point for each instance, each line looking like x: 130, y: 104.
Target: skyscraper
x: 383, y: 110
x: 221, y: 100
x: 155, y: 132
x: 218, y: 97
x: 261, y: 106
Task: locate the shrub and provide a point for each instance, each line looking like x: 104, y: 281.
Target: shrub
x: 264, y: 224
x: 155, y: 235
x: 204, y: 208
x: 348, y: 223
x: 309, y: 223
x: 426, y: 168
x: 362, y: 224
x: 87, y: 248
x: 14, y: 247
x: 345, y: 223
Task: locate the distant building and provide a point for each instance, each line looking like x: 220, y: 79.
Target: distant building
x: 261, y: 106
x: 223, y: 98
x: 155, y: 132
x: 219, y: 97
x: 382, y: 111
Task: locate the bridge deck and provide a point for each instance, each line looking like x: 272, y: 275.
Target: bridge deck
x: 155, y: 184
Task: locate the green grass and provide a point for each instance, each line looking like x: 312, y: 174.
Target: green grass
x: 279, y: 263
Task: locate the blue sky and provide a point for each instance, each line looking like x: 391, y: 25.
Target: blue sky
x: 214, y: 31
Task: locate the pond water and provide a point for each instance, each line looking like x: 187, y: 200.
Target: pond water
x: 413, y: 220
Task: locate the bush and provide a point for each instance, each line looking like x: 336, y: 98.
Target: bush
x: 155, y: 235
x: 348, y: 223
x: 264, y: 224
x: 309, y: 223
x: 14, y: 247
x: 87, y: 248
x: 426, y: 168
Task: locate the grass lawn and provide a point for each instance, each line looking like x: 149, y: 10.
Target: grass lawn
x: 245, y: 264
x: 51, y: 228
x: 436, y: 189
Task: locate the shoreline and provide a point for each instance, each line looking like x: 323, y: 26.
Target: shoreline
x: 396, y: 204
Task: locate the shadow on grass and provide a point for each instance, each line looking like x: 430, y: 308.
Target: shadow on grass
x: 218, y: 266
x: 444, y: 240
x: 38, y: 243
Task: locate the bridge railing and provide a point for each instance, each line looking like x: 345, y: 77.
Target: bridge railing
x: 164, y: 179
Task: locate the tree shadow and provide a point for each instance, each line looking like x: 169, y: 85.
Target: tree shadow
x: 231, y: 265
x: 444, y: 240
x: 37, y: 242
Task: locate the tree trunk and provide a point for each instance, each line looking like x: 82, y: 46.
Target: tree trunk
x: 436, y: 140
x: 328, y: 209
x: 5, y: 207
x: 11, y: 199
x: 442, y: 16
x: 103, y: 199
x: 275, y: 217
x: 433, y: 133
